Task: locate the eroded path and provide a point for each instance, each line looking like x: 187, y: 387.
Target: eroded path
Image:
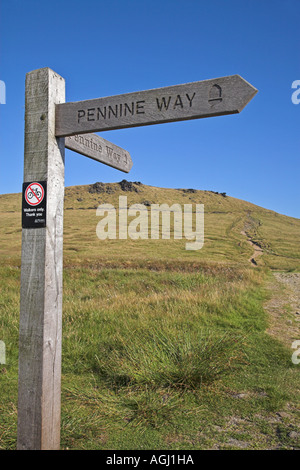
x: 258, y: 251
x: 284, y: 307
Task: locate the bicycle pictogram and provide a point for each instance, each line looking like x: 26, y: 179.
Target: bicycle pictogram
x: 34, y: 194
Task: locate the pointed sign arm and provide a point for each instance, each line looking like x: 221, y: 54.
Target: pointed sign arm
x: 101, y: 150
x: 207, y: 98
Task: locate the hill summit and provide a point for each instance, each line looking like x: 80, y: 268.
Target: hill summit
x: 235, y: 231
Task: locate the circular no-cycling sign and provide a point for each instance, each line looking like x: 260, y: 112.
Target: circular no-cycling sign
x: 34, y: 194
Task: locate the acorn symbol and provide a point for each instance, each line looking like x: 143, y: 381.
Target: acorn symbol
x: 215, y: 95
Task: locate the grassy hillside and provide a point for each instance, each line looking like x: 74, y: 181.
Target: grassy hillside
x: 224, y: 219
x: 163, y: 348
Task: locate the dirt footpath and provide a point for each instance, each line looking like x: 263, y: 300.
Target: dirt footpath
x: 258, y: 251
x: 284, y: 307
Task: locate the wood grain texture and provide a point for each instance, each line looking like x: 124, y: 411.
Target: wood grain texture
x: 214, y: 97
x: 41, y: 271
x: 101, y: 150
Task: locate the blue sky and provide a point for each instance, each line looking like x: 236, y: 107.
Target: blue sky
x: 105, y: 48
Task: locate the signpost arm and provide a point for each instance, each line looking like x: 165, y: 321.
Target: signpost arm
x: 41, y: 271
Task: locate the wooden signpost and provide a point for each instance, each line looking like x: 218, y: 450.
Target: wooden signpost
x: 48, y: 119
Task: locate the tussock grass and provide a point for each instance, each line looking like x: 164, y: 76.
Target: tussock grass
x: 168, y: 359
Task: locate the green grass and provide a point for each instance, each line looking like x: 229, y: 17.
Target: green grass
x: 161, y: 360
x: 162, y: 348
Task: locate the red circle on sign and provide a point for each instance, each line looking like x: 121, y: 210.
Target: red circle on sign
x: 34, y: 194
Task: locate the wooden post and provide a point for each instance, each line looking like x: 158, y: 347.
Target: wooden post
x: 41, y: 270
